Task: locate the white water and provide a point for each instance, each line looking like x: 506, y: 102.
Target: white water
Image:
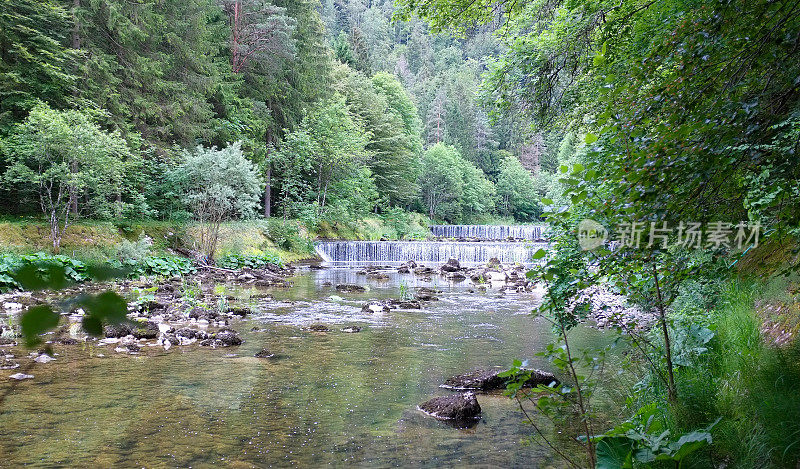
x: 425, y: 252
x: 527, y: 232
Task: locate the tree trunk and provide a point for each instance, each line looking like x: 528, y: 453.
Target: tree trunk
x: 268, y: 188
x: 673, y: 392
x: 76, y: 27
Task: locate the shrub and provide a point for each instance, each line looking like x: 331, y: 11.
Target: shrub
x: 13, y: 267
x: 238, y: 261
x: 167, y: 266
x: 219, y: 185
x: 135, y: 250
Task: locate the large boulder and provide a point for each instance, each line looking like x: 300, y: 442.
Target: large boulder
x: 117, y: 330
x: 481, y: 380
x: 461, y: 407
x: 147, y: 330
x: 488, y: 380
x: 228, y: 338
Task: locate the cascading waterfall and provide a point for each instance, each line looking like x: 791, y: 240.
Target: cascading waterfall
x: 425, y: 252
x: 527, y: 232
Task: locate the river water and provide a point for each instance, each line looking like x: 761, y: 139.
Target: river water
x: 325, y: 399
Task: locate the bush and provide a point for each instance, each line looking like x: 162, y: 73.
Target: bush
x: 135, y: 250
x: 167, y: 266
x: 238, y: 261
x: 286, y: 235
x: 14, y: 266
x: 218, y: 185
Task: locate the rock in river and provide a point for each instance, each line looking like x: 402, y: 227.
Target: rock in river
x: 487, y: 380
x: 264, y: 353
x: 452, y: 265
x: 375, y: 307
x: 20, y: 376
x: 350, y: 288
x: 461, y: 407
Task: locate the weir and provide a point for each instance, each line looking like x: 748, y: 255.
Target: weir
x: 526, y: 232
x: 425, y: 252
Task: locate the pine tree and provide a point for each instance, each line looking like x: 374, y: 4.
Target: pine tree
x: 155, y: 66
x: 34, y: 57
x: 259, y: 31
x: 435, y: 125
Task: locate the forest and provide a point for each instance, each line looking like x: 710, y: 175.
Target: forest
x: 338, y: 110
x: 594, y: 206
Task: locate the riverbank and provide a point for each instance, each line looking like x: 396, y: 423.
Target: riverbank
x: 291, y: 240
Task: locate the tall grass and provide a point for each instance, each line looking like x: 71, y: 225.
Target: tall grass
x: 753, y: 386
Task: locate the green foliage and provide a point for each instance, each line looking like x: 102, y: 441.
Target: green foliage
x: 286, y: 235
x: 644, y: 439
x: 516, y: 191
x: 217, y: 185
x: 253, y: 261
x: 63, y: 157
x: 323, y: 163
x: 34, y: 60
x: 451, y: 187
x: 159, y: 68
x: 38, y: 271
x: 37, y: 320
x: 136, y: 250
x: 166, y: 266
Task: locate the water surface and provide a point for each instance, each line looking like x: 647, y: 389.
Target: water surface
x: 324, y: 399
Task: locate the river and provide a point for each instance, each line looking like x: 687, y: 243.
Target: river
x: 330, y: 398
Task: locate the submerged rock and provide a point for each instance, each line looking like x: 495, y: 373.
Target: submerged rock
x: 147, y: 330
x: 20, y: 376
x: 8, y: 364
x: 264, y: 353
x: 66, y: 341
x: 318, y: 327
x: 461, y: 407
x: 191, y: 334
x: 117, y: 330
x: 241, y: 312
x: 228, y: 338
x: 349, y: 288
x: 488, y: 380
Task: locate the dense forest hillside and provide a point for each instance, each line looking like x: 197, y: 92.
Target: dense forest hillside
x: 334, y: 106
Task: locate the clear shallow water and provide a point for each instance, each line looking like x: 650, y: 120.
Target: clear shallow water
x: 325, y: 399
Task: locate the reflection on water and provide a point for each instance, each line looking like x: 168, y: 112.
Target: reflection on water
x: 326, y: 398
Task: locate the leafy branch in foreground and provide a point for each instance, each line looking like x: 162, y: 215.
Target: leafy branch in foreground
x: 100, y: 309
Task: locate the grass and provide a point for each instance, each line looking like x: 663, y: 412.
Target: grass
x: 751, y: 384
x: 92, y: 240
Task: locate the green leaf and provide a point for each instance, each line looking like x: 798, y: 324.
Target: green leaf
x: 590, y: 138
x: 92, y: 325
x: 689, y: 443
x: 614, y: 453
x: 539, y: 254
x: 37, y: 320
